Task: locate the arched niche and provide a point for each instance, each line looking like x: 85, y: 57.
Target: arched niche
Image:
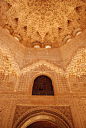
x: 35, y: 75
x: 42, y: 86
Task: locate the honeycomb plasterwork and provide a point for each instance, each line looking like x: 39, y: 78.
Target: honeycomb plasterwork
x: 76, y: 72
x: 5, y: 65
x: 78, y: 64
x: 43, y: 20
x: 6, y: 51
x: 8, y: 75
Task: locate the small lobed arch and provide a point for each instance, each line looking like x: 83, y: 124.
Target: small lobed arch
x: 77, y: 31
x: 66, y: 39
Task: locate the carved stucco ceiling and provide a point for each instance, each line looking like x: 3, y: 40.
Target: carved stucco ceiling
x: 44, y: 21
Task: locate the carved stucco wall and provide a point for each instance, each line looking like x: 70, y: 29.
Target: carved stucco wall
x: 25, y: 111
x: 18, y: 69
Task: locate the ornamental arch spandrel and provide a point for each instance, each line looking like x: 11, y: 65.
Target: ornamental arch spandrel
x: 51, y: 114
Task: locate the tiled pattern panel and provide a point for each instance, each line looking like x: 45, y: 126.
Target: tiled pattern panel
x: 4, y: 111
x: 62, y: 85
x: 23, y: 82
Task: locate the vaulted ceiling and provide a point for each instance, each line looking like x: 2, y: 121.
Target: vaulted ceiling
x: 42, y: 21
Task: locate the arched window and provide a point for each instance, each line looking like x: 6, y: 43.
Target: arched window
x: 42, y: 86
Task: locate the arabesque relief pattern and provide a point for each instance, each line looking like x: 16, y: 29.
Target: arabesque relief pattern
x: 45, y: 22
x: 22, y: 111
x: 8, y: 75
x: 77, y: 72
x: 17, y: 74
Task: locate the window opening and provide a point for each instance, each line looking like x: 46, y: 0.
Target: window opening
x: 42, y: 86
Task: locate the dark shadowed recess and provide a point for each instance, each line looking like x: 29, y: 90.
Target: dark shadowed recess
x: 42, y: 124
x: 42, y: 86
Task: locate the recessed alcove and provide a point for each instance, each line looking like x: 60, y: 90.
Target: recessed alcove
x: 42, y: 86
